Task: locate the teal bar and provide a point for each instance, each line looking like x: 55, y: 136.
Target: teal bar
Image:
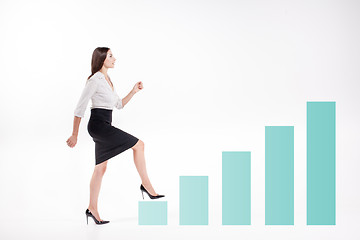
x: 321, y: 163
x: 236, y: 188
x: 193, y: 200
x: 279, y: 175
x: 153, y: 213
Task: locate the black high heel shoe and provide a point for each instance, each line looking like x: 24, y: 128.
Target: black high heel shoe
x: 150, y: 196
x: 89, y: 214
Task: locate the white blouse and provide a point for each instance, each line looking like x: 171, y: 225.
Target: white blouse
x: 102, y: 96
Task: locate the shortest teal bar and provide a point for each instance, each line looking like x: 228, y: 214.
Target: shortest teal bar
x: 153, y: 213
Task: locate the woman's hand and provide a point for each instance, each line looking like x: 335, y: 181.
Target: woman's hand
x: 71, y: 142
x: 138, y: 86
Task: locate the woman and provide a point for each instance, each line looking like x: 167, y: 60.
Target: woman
x: 109, y: 140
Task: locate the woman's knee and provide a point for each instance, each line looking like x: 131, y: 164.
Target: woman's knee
x: 101, y: 167
x: 139, y: 145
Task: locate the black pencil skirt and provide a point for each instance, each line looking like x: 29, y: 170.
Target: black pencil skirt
x: 109, y: 140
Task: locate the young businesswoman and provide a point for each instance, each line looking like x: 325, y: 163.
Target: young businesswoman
x: 109, y: 140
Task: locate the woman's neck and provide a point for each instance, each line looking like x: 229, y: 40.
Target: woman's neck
x: 103, y: 70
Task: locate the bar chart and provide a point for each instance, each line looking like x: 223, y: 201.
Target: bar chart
x: 279, y: 179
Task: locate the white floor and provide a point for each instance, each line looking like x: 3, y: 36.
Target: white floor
x: 127, y: 228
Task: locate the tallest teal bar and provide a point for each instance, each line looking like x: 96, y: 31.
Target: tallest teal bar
x: 321, y: 163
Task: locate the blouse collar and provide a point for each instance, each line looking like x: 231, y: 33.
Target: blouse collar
x: 101, y: 75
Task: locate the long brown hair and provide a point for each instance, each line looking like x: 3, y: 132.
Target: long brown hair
x: 98, y: 58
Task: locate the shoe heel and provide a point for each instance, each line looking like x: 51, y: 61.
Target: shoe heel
x: 89, y: 214
x: 87, y: 220
x: 142, y: 192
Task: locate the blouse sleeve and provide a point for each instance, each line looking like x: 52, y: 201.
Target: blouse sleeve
x: 88, y: 92
x: 118, y: 103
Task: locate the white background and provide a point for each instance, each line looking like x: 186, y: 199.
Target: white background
x: 215, y: 73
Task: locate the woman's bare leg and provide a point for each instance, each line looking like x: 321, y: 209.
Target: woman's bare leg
x: 95, y: 185
x: 139, y: 160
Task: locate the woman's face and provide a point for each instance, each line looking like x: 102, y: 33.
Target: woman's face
x: 109, y: 60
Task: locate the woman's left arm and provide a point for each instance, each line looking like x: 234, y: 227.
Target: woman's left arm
x: 138, y: 86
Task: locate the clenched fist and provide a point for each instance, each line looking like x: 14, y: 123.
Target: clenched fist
x: 71, y: 142
x: 138, y: 86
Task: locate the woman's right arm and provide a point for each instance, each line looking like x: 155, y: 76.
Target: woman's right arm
x: 89, y: 90
x: 72, y: 140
